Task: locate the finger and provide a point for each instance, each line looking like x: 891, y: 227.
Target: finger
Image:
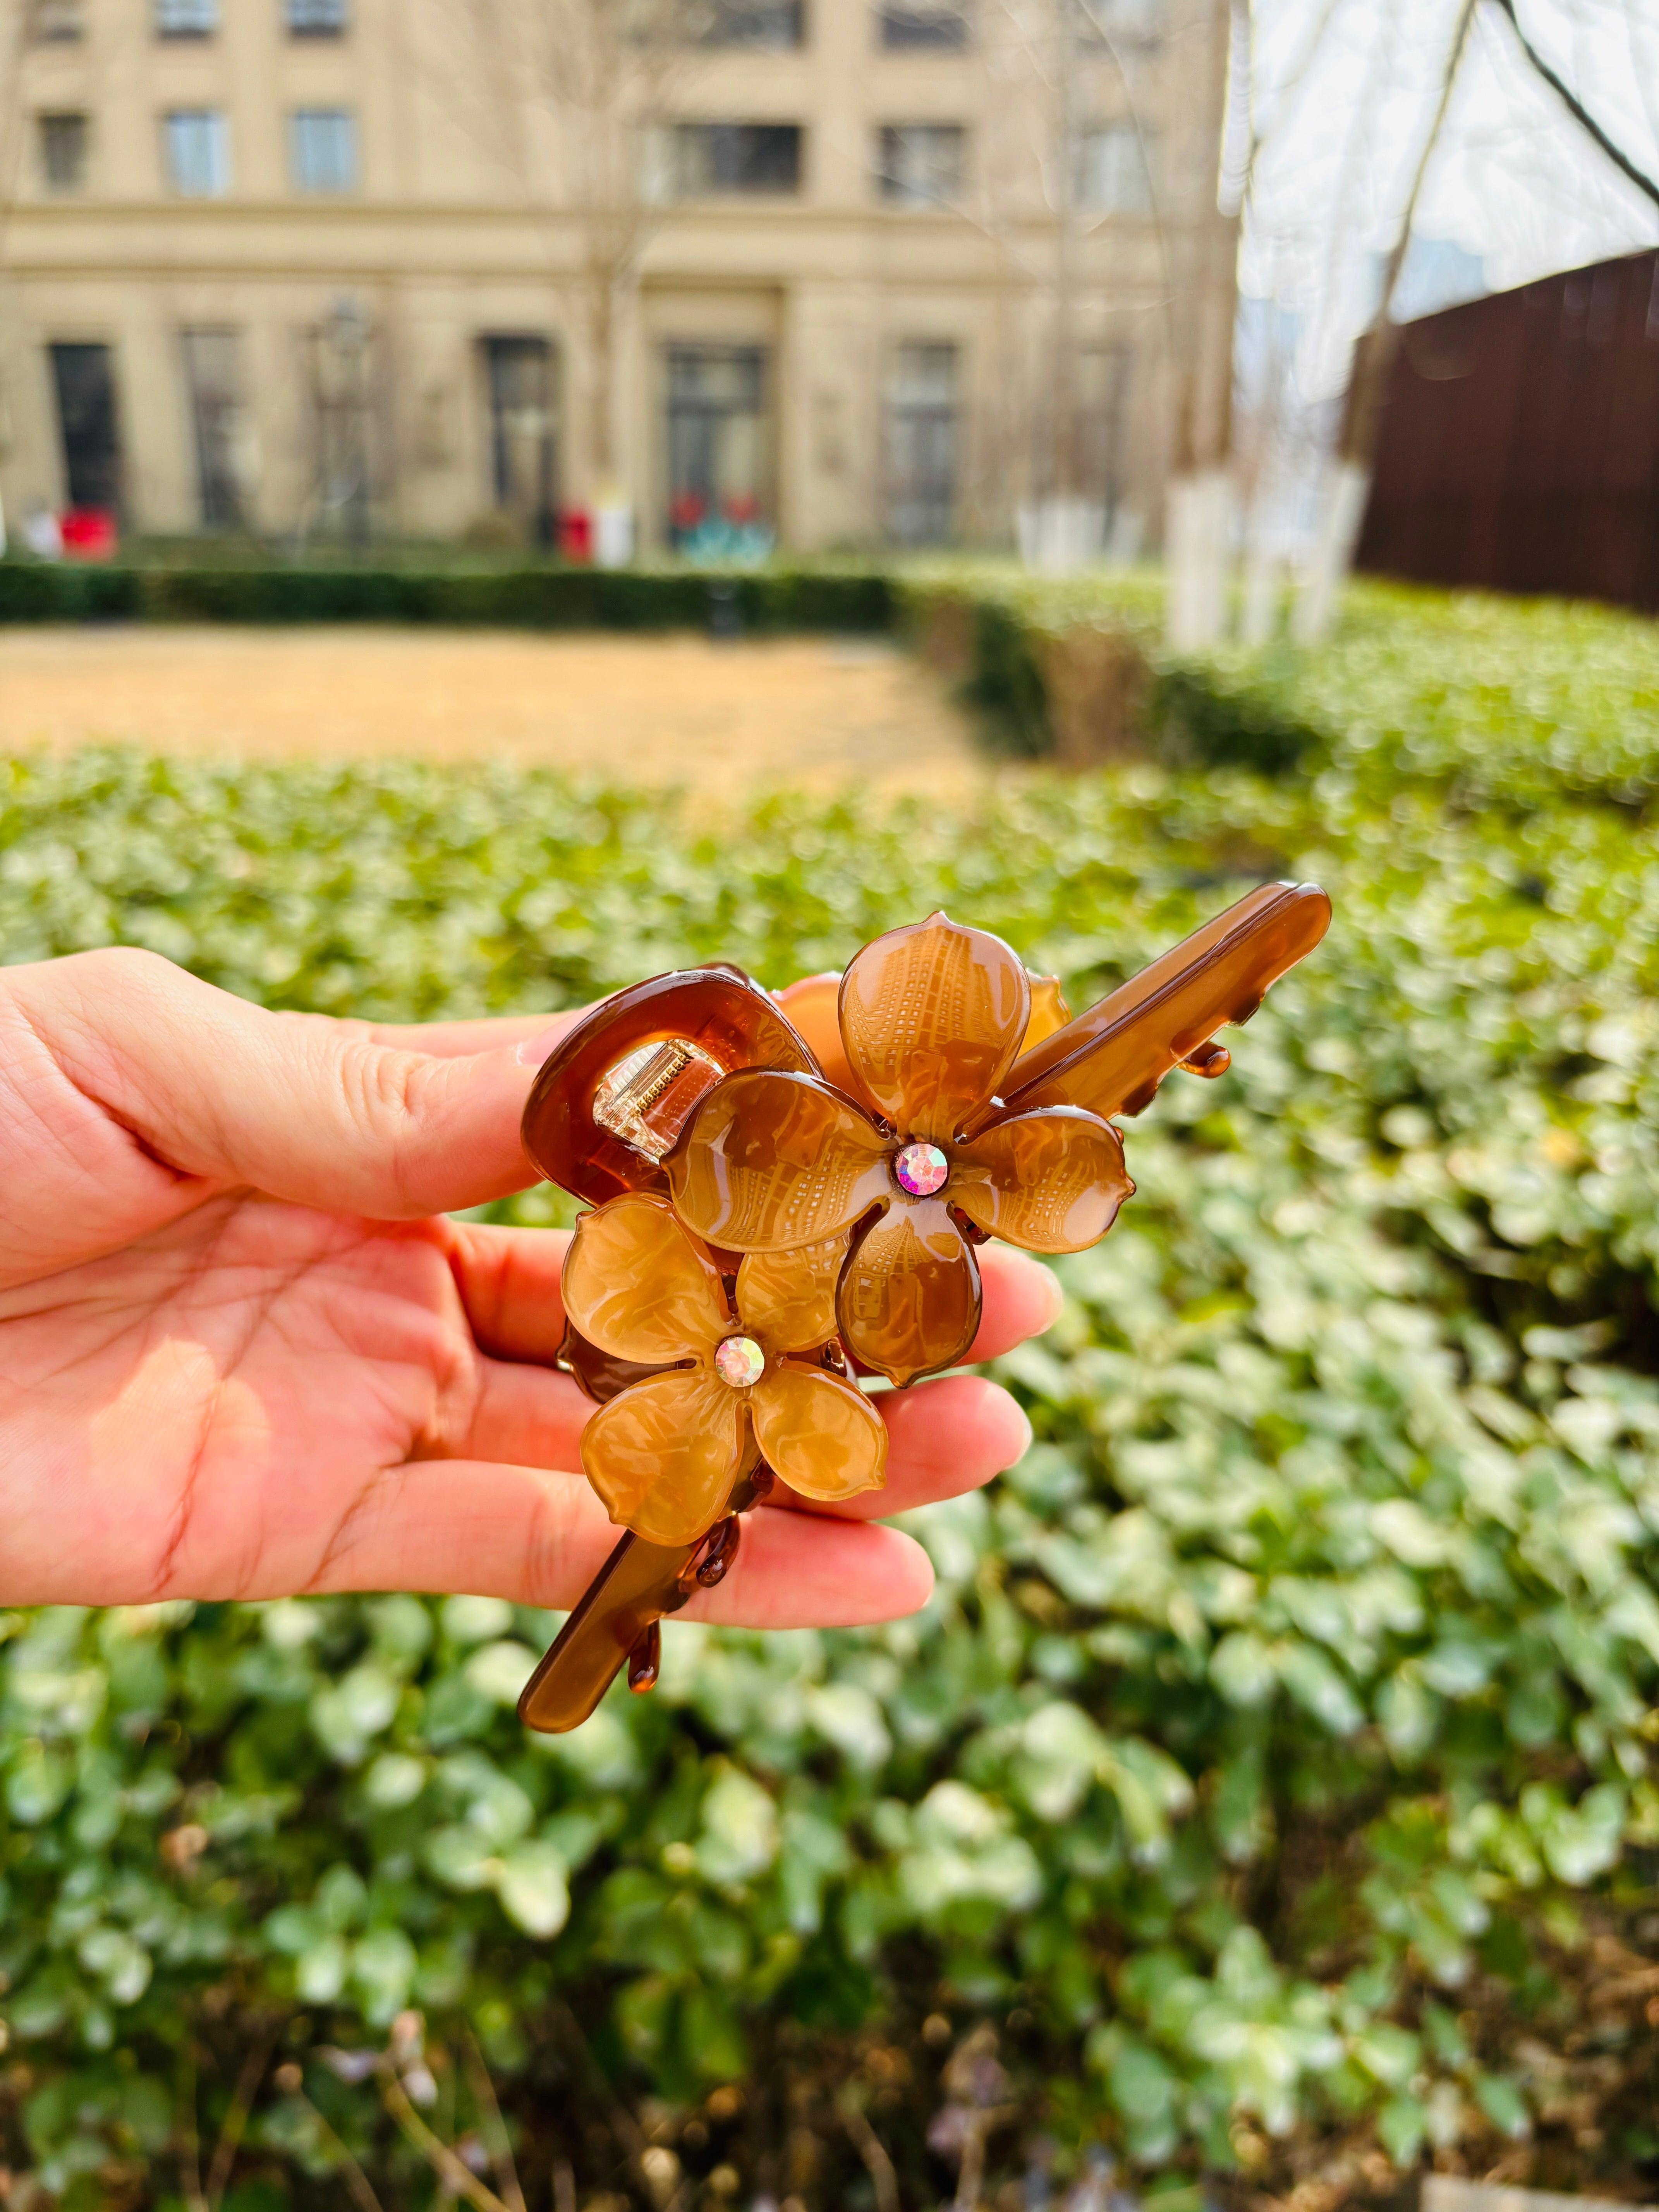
x: 532, y: 1036
x: 1021, y: 1298
x: 509, y: 1282
x: 538, y: 1539
x: 226, y: 1094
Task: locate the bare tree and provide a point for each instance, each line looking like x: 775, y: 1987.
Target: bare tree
x: 1368, y: 378
x: 1199, y: 500
x: 576, y: 96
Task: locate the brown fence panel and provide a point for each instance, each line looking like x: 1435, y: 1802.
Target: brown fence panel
x: 1520, y: 445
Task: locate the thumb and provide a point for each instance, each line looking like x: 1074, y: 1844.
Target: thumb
x: 297, y: 1105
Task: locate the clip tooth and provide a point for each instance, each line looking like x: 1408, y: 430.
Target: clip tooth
x: 645, y: 1660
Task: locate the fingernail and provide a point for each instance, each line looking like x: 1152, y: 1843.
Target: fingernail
x: 534, y: 1050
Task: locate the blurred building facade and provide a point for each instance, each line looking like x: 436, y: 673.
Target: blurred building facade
x: 826, y: 272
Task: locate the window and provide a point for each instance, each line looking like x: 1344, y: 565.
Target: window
x: 719, y: 451
x: 1111, y: 171
x: 64, y: 140
x: 323, y: 149
x: 317, y: 19
x: 186, y: 19
x: 213, y: 386
x: 712, y: 158
x: 55, y: 22
x: 936, y: 25
x: 771, y: 25
x: 919, y: 437
x: 920, y: 165
x: 84, y: 379
x: 198, y: 143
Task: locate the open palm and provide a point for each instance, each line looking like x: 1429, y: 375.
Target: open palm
x: 244, y: 1352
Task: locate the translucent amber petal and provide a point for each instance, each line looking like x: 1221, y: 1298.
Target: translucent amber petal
x: 788, y: 1298
x: 908, y: 1301
x: 1113, y: 1057
x: 1049, y: 1010
x: 812, y: 1007
x: 637, y: 1285
x: 665, y: 1455
x: 770, y: 1161
x: 1052, y: 1180
x: 932, y: 1016
x: 821, y: 1435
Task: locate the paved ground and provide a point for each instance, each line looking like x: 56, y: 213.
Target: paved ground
x: 678, y: 709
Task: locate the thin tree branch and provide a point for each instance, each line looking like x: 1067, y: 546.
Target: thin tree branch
x: 448, y: 2165
x: 362, y: 2189
x: 1576, y: 107
x: 500, y: 2143
x: 236, y: 2120
x: 872, y: 2149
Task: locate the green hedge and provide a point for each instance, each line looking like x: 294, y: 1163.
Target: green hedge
x: 544, y: 597
x: 1480, y: 699
x: 1273, y: 1767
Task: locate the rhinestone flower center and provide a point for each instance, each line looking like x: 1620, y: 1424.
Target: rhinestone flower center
x: 922, y: 1169
x: 740, y: 1362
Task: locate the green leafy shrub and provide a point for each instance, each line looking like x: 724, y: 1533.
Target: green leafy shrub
x: 1274, y: 1763
x: 539, y: 598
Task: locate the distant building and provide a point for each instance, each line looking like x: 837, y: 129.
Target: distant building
x: 322, y: 268
x: 1519, y: 443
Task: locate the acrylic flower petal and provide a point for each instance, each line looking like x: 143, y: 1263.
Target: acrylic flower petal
x: 665, y: 1455
x: 932, y: 1016
x: 635, y: 1284
x: 788, y: 1298
x: 1049, y: 1011
x: 908, y: 1301
x: 1051, y: 1180
x: 811, y: 1005
x: 820, y: 1434
x: 770, y: 1161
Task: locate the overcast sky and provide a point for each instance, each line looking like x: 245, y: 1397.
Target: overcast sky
x: 1514, y: 179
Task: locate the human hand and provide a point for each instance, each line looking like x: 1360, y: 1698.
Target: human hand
x: 244, y: 1353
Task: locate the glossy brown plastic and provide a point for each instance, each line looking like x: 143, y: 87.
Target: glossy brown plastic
x: 1112, y: 1059
x: 639, y: 1584
x: 933, y: 1016
x: 718, y: 1010
x: 813, y: 1004
x: 663, y: 1452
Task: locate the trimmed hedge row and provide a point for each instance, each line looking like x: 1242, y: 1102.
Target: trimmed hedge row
x: 518, y: 598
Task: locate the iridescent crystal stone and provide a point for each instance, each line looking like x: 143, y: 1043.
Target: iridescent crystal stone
x: 740, y: 1362
x: 921, y: 1169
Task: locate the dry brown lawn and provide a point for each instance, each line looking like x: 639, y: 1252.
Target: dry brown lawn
x: 720, y: 718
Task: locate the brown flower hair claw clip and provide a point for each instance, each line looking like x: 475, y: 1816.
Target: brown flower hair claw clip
x: 785, y: 1188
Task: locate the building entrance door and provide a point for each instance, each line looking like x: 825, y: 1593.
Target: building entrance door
x: 519, y: 377
x: 84, y: 376
x: 719, y: 498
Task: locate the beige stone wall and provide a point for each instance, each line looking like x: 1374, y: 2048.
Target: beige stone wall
x: 467, y: 221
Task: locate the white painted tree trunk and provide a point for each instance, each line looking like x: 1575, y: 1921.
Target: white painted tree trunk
x: 1333, y: 553
x: 1198, y: 542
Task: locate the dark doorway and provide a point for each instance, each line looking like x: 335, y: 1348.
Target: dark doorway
x: 85, y: 378
x: 718, y: 446
x: 519, y: 373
